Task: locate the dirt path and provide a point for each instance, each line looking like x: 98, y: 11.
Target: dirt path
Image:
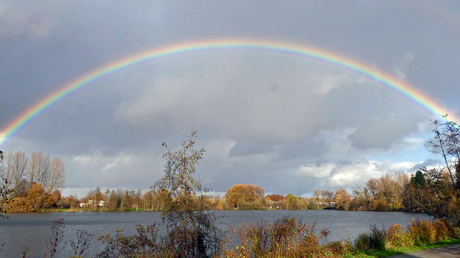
x: 450, y: 251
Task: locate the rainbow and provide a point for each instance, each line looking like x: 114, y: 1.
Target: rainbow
x: 90, y: 78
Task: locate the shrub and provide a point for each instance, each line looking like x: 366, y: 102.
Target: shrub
x: 286, y: 237
x: 142, y: 244
x: 425, y: 232
x: 396, y: 237
x: 375, y: 240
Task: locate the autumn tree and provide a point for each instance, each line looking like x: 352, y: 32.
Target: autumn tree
x: 126, y: 201
x: 276, y: 197
x: 112, y: 200
x: 235, y: 195
x: 191, y: 232
x: 343, y: 199
x: 147, y: 201
x: 243, y: 193
x: 293, y: 202
x: 37, y: 199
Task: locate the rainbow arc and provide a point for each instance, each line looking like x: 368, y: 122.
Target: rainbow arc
x: 380, y: 77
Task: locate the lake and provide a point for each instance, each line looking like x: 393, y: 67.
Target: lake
x: 33, y: 229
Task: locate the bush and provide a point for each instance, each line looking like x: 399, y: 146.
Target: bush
x: 142, y: 244
x: 396, y: 237
x: 286, y: 237
x: 425, y: 232
x: 375, y: 240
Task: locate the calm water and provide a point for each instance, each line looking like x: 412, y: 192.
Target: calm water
x: 33, y: 229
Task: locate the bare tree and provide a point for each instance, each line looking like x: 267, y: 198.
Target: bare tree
x: 13, y: 169
x: 57, y: 175
x: 38, y: 170
x: 17, y: 167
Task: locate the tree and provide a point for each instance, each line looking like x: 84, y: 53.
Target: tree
x: 147, y: 201
x: 126, y: 202
x: 13, y: 168
x: 112, y: 200
x: 17, y: 163
x: 343, y: 199
x: 57, y: 175
x: 38, y: 169
x: 447, y: 143
x: 235, y: 195
x: 243, y: 193
x: 190, y: 231
x: 4, y: 191
x: 419, y: 180
x: 440, y: 196
x: 293, y: 202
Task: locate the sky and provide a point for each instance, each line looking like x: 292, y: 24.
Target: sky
x: 287, y: 123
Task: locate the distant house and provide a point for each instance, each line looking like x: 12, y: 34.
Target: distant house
x: 327, y: 204
x: 90, y: 204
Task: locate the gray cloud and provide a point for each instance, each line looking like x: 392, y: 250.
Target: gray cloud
x: 241, y: 149
x: 382, y: 133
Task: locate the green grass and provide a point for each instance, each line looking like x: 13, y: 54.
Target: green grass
x: 401, y: 250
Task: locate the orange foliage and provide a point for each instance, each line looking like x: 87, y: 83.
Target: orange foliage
x: 36, y: 199
x: 243, y: 193
x: 276, y: 198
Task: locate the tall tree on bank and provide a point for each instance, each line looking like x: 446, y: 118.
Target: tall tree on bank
x: 438, y: 193
x: 191, y: 232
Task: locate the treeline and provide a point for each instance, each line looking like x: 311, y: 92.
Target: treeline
x: 396, y: 192
x: 428, y: 190
x: 30, y: 183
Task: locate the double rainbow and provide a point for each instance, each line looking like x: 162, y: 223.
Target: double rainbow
x: 90, y: 78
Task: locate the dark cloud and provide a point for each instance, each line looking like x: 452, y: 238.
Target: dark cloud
x: 309, y: 148
x: 427, y: 163
x: 382, y: 133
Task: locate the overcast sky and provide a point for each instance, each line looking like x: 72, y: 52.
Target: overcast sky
x: 287, y: 124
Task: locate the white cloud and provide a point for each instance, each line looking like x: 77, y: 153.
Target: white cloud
x: 316, y: 171
x: 355, y: 174
x: 324, y: 83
